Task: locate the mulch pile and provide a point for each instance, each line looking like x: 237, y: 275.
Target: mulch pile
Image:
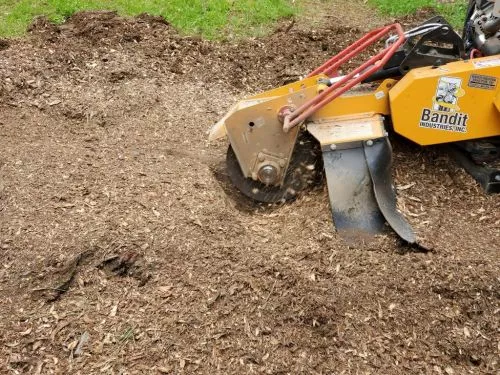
x: 123, y: 253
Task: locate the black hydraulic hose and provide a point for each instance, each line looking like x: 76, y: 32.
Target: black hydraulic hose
x: 384, y: 74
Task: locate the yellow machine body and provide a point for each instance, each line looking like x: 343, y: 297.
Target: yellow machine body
x: 432, y: 105
x: 276, y: 137
x: 255, y: 130
x: 455, y: 102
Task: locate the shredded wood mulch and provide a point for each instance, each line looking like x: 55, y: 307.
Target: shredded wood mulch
x: 124, y: 251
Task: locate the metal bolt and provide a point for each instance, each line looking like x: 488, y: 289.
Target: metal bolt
x: 268, y: 174
x: 369, y: 142
x: 333, y: 147
x: 497, y: 177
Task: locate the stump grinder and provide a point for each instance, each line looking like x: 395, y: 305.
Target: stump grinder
x: 428, y: 84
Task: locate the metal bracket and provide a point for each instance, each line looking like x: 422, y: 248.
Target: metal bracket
x: 437, y: 47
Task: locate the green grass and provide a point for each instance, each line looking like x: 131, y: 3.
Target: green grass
x: 213, y: 19
x: 452, y: 10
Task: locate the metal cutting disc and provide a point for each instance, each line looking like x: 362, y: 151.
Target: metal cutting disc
x: 305, y: 170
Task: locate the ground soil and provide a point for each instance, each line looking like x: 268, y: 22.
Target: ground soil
x: 124, y: 251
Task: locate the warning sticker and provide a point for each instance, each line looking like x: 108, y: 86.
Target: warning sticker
x: 482, y: 82
x: 487, y: 63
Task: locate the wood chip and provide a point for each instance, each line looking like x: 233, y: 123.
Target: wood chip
x: 84, y: 338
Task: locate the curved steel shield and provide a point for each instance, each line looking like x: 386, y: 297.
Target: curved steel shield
x: 378, y: 155
x: 354, y: 207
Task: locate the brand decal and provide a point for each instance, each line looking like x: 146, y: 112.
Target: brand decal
x: 482, y: 82
x: 445, y: 113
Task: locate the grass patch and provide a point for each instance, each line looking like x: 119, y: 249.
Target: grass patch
x: 453, y: 11
x: 213, y: 19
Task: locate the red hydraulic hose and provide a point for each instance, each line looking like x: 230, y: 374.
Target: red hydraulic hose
x: 353, y: 78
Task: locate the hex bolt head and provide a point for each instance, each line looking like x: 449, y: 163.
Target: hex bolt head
x: 369, y: 142
x: 497, y: 177
x: 268, y: 174
x: 333, y: 147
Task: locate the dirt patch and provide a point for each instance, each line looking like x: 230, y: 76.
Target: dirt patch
x: 104, y: 149
x: 4, y: 44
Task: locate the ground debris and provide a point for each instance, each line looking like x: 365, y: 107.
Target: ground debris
x: 119, y: 264
x: 129, y: 263
x: 68, y: 273
x: 186, y: 275
x: 84, y: 338
x: 4, y: 44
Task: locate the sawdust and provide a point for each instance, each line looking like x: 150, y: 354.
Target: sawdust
x: 104, y: 150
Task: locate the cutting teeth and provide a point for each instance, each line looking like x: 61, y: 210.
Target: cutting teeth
x: 305, y: 168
